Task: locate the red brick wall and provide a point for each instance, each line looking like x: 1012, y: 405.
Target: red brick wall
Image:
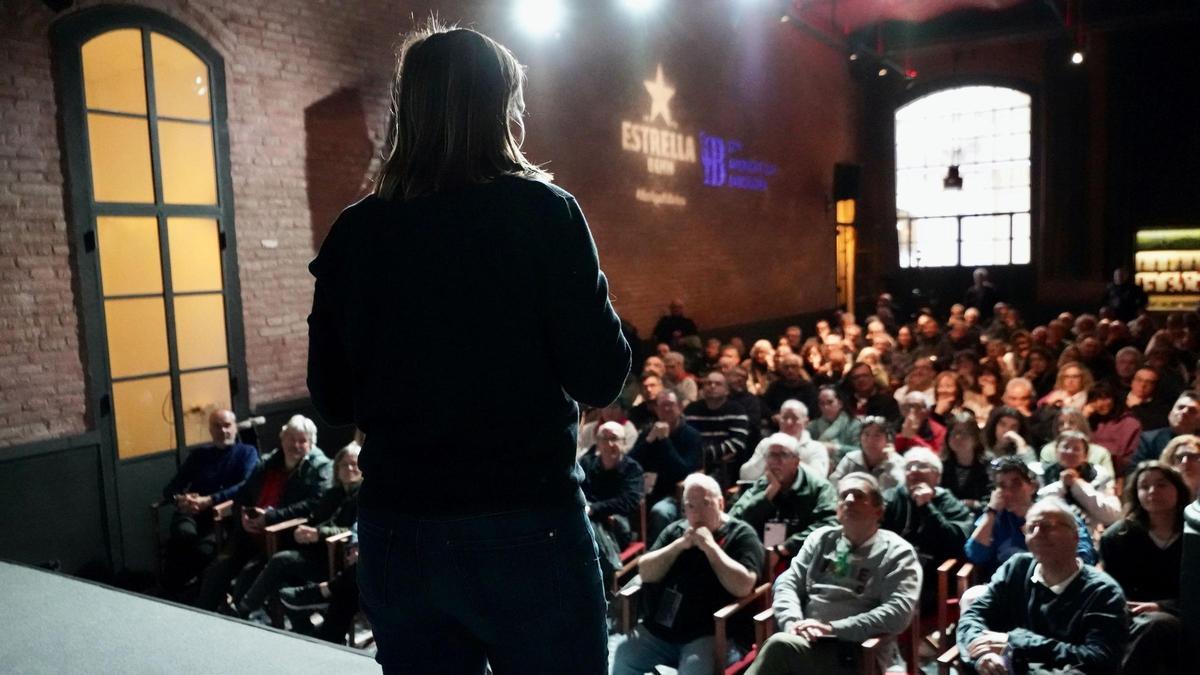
x: 306, y: 89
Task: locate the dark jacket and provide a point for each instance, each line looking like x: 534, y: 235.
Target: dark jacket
x: 336, y: 511
x: 304, y: 487
x: 511, y: 261
x: 1086, y: 627
x: 213, y: 472
x: 1146, y: 572
x: 611, y: 493
x: 672, y: 458
x: 808, y: 503
x: 937, y: 530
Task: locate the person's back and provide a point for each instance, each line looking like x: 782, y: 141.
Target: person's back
x: 513, y: 258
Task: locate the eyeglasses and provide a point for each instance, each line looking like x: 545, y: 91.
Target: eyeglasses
x: 919, y: 466
x: 1033, y: 527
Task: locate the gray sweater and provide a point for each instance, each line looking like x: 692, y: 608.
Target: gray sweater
x: 874, y: 593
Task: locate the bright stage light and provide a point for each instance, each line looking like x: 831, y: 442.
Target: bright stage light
x: 1077, y: 58
x: 539, y: 17
x: 639, y: 6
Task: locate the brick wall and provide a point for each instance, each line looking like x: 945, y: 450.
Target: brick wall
x: 306, y: 90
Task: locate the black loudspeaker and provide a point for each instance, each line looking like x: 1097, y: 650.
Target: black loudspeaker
x: 846, y: 178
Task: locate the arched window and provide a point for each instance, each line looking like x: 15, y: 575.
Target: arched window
x: 985, y: 132
x: 144, y: 122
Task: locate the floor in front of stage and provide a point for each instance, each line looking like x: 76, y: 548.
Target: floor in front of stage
x: 53, y: 623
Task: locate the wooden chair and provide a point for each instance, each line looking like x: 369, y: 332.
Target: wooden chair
x: 764, y: 628
x: 635, y: 549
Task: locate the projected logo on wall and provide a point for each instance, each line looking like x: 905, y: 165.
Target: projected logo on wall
x: 658, y: 138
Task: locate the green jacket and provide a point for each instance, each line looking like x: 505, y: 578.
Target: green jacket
x: 809, y: 503
x: 843, y: 431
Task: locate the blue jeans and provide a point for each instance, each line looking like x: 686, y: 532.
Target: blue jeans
x: 519, y: 590
x: 643, y: 651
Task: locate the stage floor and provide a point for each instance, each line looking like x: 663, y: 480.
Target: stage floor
x: 52, y: 623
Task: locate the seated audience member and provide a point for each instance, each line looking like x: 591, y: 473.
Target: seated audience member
x: 723, y: 425
x: 674, y: 325
x: 654, y: 364
x: 611, y: 413
x: 336, y: 599
x: 730, y: 358
x: 613, y: 487
x: 1040, y: 371
x: 920, y: 378
x: 642, y: 414
x: 1183, y: 454
x: 867, y: 397
x: 670, y: 449
x: 875, y: 455
x: 696, y: 566
x: 760, y: 367
x: 964, y: 462
x: 851, y: 581
x: 1093, y: 357
x: 1144, y: 401
x: 1045, y: 610
x: 788, y: 494
x: 751, y: 404
x: 210, y: 475
x: 1184, y: 418
x: 1072, y: 419
x: 930, y: 343
x: 1143, y: 551
x: 336, y: 512
x: 928, y: 516
x: 711, y: 358
x: 285, y: 484
x: 917, y: 427
x: 836, y: 428
x: 948, y: 393
x: 793, y: 420
x: 792, y: 383
x: 677, y: 379
x: 1004, y: 435
x: 904, y: 353
x: 1070, y: 387
x: 985, y: 395
x: 1079, y: 483
x: 1126, y: 363
x: 1113, y: 427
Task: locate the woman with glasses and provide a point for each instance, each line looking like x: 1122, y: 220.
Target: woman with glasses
x: 1074, y: 419
x: 1070, y: 388
x: 1143, y: 551
x: 1079, y: 483
x: 964, y: 460
x: 1183, y: 453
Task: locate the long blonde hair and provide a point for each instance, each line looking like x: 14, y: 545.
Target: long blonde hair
x: 456, y: 97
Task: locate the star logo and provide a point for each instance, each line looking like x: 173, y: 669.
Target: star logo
x: 660, y: 97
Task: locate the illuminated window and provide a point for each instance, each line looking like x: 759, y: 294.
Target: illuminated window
x: 985, y: 131
x: 147, y: 159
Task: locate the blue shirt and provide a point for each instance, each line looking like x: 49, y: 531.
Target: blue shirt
x: 1008, y: 539
x: 215, y: 472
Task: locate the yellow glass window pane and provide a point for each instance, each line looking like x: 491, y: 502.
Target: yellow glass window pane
x: 137, y: 336
x: 113, y: 75
x: 129, y: 262
x: 143, y: 413
x: 200, y: 330
x: 120, y: 154
x: 195, y: 254
x: 188, y: 172
x: 180, y: 80
x: 203, y: 392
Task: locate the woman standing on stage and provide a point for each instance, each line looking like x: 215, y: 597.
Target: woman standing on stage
x: 474, y: 541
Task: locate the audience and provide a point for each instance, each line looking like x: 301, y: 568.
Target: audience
x: 876, y: 455
x: 1079, y: 483
x: 697, y: 565
x: 849, y: 582
x: 918, y: 428
x: 792, y: 383
x: 677, y: 379
x: 1144, y: 401
x: 793, y: 420
x: 1184, y: 418
x: 1183, y: 454
x: 964, y: 462
x: 1113, y: 426
x: 613, y: 487
x: 836, y: 428
x: 1046, y: 610
x: 723, y: 425
x: 668, y: 451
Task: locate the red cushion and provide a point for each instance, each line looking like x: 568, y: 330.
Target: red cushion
x: 633, y: 549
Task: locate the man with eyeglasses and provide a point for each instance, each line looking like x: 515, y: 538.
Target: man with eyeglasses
x: 1184, y: 418
x: 1046, y: 610
x: 928, y: 516
x: 698, y: 565
x: 849, y: 582
x: 918, y: 429
x: 788, y: 501
x: 867, y: 398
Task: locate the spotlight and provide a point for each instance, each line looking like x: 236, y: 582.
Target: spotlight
x: 883, y: 72
x: 639, y: 6
x: 1077, y: 57
x: 854, y: 56
x: 539, y: 17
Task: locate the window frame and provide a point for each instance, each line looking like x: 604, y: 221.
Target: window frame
x: 923, y: 88
x: 68, y: 35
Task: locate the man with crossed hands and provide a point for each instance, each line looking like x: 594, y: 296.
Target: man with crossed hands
x: 696, y: 566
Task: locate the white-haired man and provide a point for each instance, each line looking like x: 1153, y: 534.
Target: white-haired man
x: 917, y: 427
x: 1045, y: 610
x: 678, y: 379
x: 793, y: 421
x: 789, y: 500
x: 697, y: 566
x: 613, y: 487
x: 928, y: 516
x: 850, y: 581
x: 286, y: 483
